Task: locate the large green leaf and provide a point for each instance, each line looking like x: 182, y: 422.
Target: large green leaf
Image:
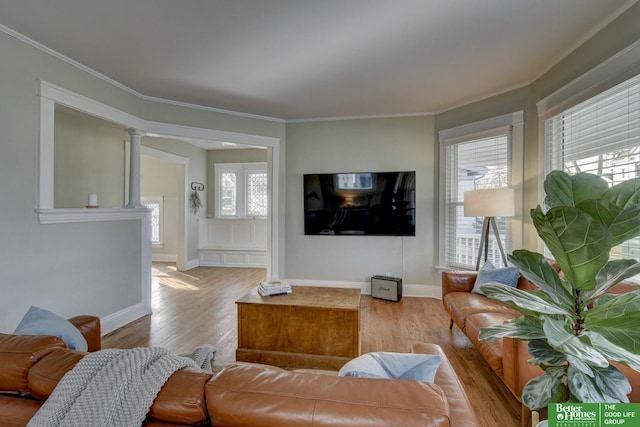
x: 611, y: 274
x: 566, y: 342
x: 525, y: 299
x: 625, y: 194
x: 617, y: 319
x: 537, y: 270
x: 602, y: 210
x: 563, y: 189
x: 586, y: 389
x: 580, y: 365
x: 579, y: 244
x: 523, y: 328
x: 625, y: 226
x: 612, y: 383
x: 614, y: 352
x: 542, y: 352
x: 544, y: 389
x: 615, y: 306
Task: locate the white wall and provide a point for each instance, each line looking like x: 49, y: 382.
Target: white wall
x: 89, y: 157
x: 366, y: 145
x: 68, y: 268
x: 160, y: 178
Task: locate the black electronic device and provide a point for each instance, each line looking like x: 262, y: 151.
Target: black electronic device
x: 360, y: 203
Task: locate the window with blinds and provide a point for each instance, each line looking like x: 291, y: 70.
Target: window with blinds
x: 600, y: 135
x: 475, y: 164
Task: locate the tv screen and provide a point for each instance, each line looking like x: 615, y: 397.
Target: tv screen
x: 360, y: 203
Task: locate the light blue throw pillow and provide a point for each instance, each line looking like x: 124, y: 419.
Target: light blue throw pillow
x: 489, y: 274
x: 39, y: 321
x: 406, y: 366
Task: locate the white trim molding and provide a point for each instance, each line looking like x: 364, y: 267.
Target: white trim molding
x: 63, y: 216
x: 511, y: 123
x: 620, y: 67
x: 118, y: 319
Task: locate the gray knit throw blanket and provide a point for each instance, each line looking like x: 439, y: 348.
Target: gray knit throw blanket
x: 114, y: 387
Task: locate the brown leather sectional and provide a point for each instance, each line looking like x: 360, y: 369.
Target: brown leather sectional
x: 508, y: 357
x: 242, y: 394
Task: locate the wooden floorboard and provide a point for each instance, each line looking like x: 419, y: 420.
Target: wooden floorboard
x: 198, y: 307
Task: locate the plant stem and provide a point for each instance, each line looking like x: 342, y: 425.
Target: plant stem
x: 577, y: 325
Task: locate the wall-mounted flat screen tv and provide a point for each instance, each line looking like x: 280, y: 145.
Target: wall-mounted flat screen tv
x: 360, y: 203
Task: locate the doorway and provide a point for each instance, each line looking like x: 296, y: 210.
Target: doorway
x: 163, y: 183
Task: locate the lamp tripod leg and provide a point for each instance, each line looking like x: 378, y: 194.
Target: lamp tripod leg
x: 495, y: 231
x: 484, y: 243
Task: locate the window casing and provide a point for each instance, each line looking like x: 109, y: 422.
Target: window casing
x: 481, y: 155
x: 600, y: 135
x: 241, y: 190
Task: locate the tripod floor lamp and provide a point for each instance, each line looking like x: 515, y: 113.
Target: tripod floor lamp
x: 489, y: 204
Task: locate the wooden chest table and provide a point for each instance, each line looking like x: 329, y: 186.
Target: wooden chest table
x: 312, y: 327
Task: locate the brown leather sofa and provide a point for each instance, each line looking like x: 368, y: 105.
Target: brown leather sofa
x: 508, y: 357
x: 242, y: 394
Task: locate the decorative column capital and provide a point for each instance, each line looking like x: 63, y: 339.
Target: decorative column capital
x: 134, y: 132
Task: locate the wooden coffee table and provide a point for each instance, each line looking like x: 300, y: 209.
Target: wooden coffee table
x: 312, y: 327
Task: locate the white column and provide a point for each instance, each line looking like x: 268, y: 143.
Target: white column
x: 134, y: 169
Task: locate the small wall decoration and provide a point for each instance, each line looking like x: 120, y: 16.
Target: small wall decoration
x: 194, y: 199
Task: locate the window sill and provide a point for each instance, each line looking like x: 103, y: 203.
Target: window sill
x: 66, y: 216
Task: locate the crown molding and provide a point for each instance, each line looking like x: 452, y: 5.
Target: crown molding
x: 119, y: 85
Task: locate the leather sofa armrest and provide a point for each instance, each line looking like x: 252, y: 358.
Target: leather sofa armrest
x: 515, y: 365
x: 458, y: 281
x: 89, y: 327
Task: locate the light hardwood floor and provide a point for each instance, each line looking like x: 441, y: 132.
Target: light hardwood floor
x: 198, y: 307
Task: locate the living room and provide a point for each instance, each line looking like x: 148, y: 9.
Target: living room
x: 69, y: 267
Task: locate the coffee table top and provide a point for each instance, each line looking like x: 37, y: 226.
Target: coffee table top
x: 309, y: 296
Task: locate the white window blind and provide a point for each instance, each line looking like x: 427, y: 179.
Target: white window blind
x: 600, y: 135
x: 475, y: 164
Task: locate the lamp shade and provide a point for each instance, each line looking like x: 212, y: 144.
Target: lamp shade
x: 494, y: 202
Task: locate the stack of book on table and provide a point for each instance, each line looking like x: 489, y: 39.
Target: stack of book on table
x: 275, y: 287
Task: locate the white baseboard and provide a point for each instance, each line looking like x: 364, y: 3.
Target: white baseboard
x: 408, y: 290
x: 164, y: 257
x: 119, y: 319
x: 192, y: 263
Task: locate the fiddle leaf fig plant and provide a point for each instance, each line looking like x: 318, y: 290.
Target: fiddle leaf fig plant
x: 573, y: 326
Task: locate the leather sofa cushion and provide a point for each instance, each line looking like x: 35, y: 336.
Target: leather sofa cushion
x: 244, y: 395
x: 491, y: 351
x: 18, y: 353
x: 182, y: 399
x: 17, y: 411
x: 45, y: 375
x: 89, y: 327
x: 462, y: 305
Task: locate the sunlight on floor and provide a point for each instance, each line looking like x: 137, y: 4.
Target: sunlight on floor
x: 177, y: 284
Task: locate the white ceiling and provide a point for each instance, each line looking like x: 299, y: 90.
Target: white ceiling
x: 300, y: 59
